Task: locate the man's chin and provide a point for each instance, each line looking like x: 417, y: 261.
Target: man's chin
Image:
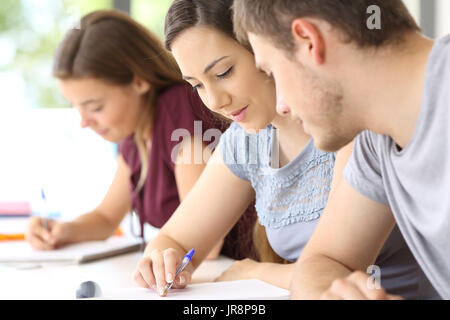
x: 330, y: 144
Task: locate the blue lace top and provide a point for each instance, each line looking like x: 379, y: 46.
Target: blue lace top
x: 289, y: 200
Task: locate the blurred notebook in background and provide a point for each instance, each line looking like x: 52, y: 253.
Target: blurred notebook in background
x: 21, y: 252
x: 15, y: 209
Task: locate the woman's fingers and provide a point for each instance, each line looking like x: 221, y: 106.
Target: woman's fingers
x: 144, y: 274
x: 159, y: 269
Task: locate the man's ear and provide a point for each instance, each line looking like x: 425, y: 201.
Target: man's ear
x: 141, y: 85
x: 308, y: 40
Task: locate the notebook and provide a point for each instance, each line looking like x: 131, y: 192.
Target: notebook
x: 21, y: 251
x: 227, y: 290
x: 14, y: 209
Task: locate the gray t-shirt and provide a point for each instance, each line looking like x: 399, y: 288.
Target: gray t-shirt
x: 290, y: 201
x: 415, y: 181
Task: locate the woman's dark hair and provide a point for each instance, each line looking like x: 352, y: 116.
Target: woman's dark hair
x: 184, y: 14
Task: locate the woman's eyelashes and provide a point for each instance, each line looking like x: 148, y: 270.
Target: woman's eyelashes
x: 195, y: 88
x: 225, y: 74
x: 218, y: 76
x: 97, y: 109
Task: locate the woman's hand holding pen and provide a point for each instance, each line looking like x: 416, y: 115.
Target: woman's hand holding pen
x: 156, y: 270
x: 46, y: 235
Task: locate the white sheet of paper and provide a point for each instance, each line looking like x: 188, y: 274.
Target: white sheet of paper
x: 228, y: 290
x: 21, y: 251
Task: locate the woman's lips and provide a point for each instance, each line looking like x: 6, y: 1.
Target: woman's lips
x: 101, y: 133
x: 239, y: 115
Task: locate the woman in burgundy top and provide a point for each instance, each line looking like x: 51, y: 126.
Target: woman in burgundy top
x: 128, y: 89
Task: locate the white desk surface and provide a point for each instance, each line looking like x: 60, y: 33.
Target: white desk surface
x: 60, y: 282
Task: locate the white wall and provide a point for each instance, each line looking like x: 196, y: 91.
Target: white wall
x: 442, y: 14
x: 442, y: 17
x: 47, y: 148
x: 414, y: 8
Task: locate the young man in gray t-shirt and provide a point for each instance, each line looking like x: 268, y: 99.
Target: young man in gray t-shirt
x: 344, y: 67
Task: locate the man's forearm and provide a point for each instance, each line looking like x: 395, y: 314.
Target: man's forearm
x: 314, y: 275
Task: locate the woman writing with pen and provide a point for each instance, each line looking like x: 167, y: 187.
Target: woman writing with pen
x: 128, y: 89
x: 262, y: 153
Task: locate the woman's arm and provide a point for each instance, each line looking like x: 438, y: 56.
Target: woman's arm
x: 187, y: 172
x: 98, y: 224
x: 277, y: 274
x: 207, y: 214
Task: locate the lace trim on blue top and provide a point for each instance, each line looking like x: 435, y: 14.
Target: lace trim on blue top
x: 298, y: 192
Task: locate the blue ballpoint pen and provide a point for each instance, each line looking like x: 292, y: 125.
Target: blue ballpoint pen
x: 187, y: 258
x: 44, y: 210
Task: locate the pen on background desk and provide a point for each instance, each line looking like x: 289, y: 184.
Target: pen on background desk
x: 187, y: 258
x: 44, y: 210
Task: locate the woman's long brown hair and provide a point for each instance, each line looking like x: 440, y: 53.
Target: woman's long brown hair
x: 110, y: 46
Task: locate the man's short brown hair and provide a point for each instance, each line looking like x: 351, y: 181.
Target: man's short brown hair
x: 273, y: 19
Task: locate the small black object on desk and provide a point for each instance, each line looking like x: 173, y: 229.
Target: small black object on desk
x: 88, y: 289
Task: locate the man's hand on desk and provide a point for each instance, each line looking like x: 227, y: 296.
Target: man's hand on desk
x: 357, y: 286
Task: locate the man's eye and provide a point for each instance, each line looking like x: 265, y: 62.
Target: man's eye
x: 268, y: 74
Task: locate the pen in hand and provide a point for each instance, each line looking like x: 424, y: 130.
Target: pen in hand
x: 187, y: 258
x: 44, y: 208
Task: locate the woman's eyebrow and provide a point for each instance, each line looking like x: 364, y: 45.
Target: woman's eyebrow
x: 85, y: 103
x: 208, y: 67
x: 212, y: 64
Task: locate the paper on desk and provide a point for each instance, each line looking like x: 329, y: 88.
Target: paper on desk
x: 228, y: 290
x: 21, y: 251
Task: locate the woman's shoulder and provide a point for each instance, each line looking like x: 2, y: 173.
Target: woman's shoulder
x: 174, y: 108
x: 129, y: 151
x: 127, y: 145
x: 173, y: 95
x: 183, y: 106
